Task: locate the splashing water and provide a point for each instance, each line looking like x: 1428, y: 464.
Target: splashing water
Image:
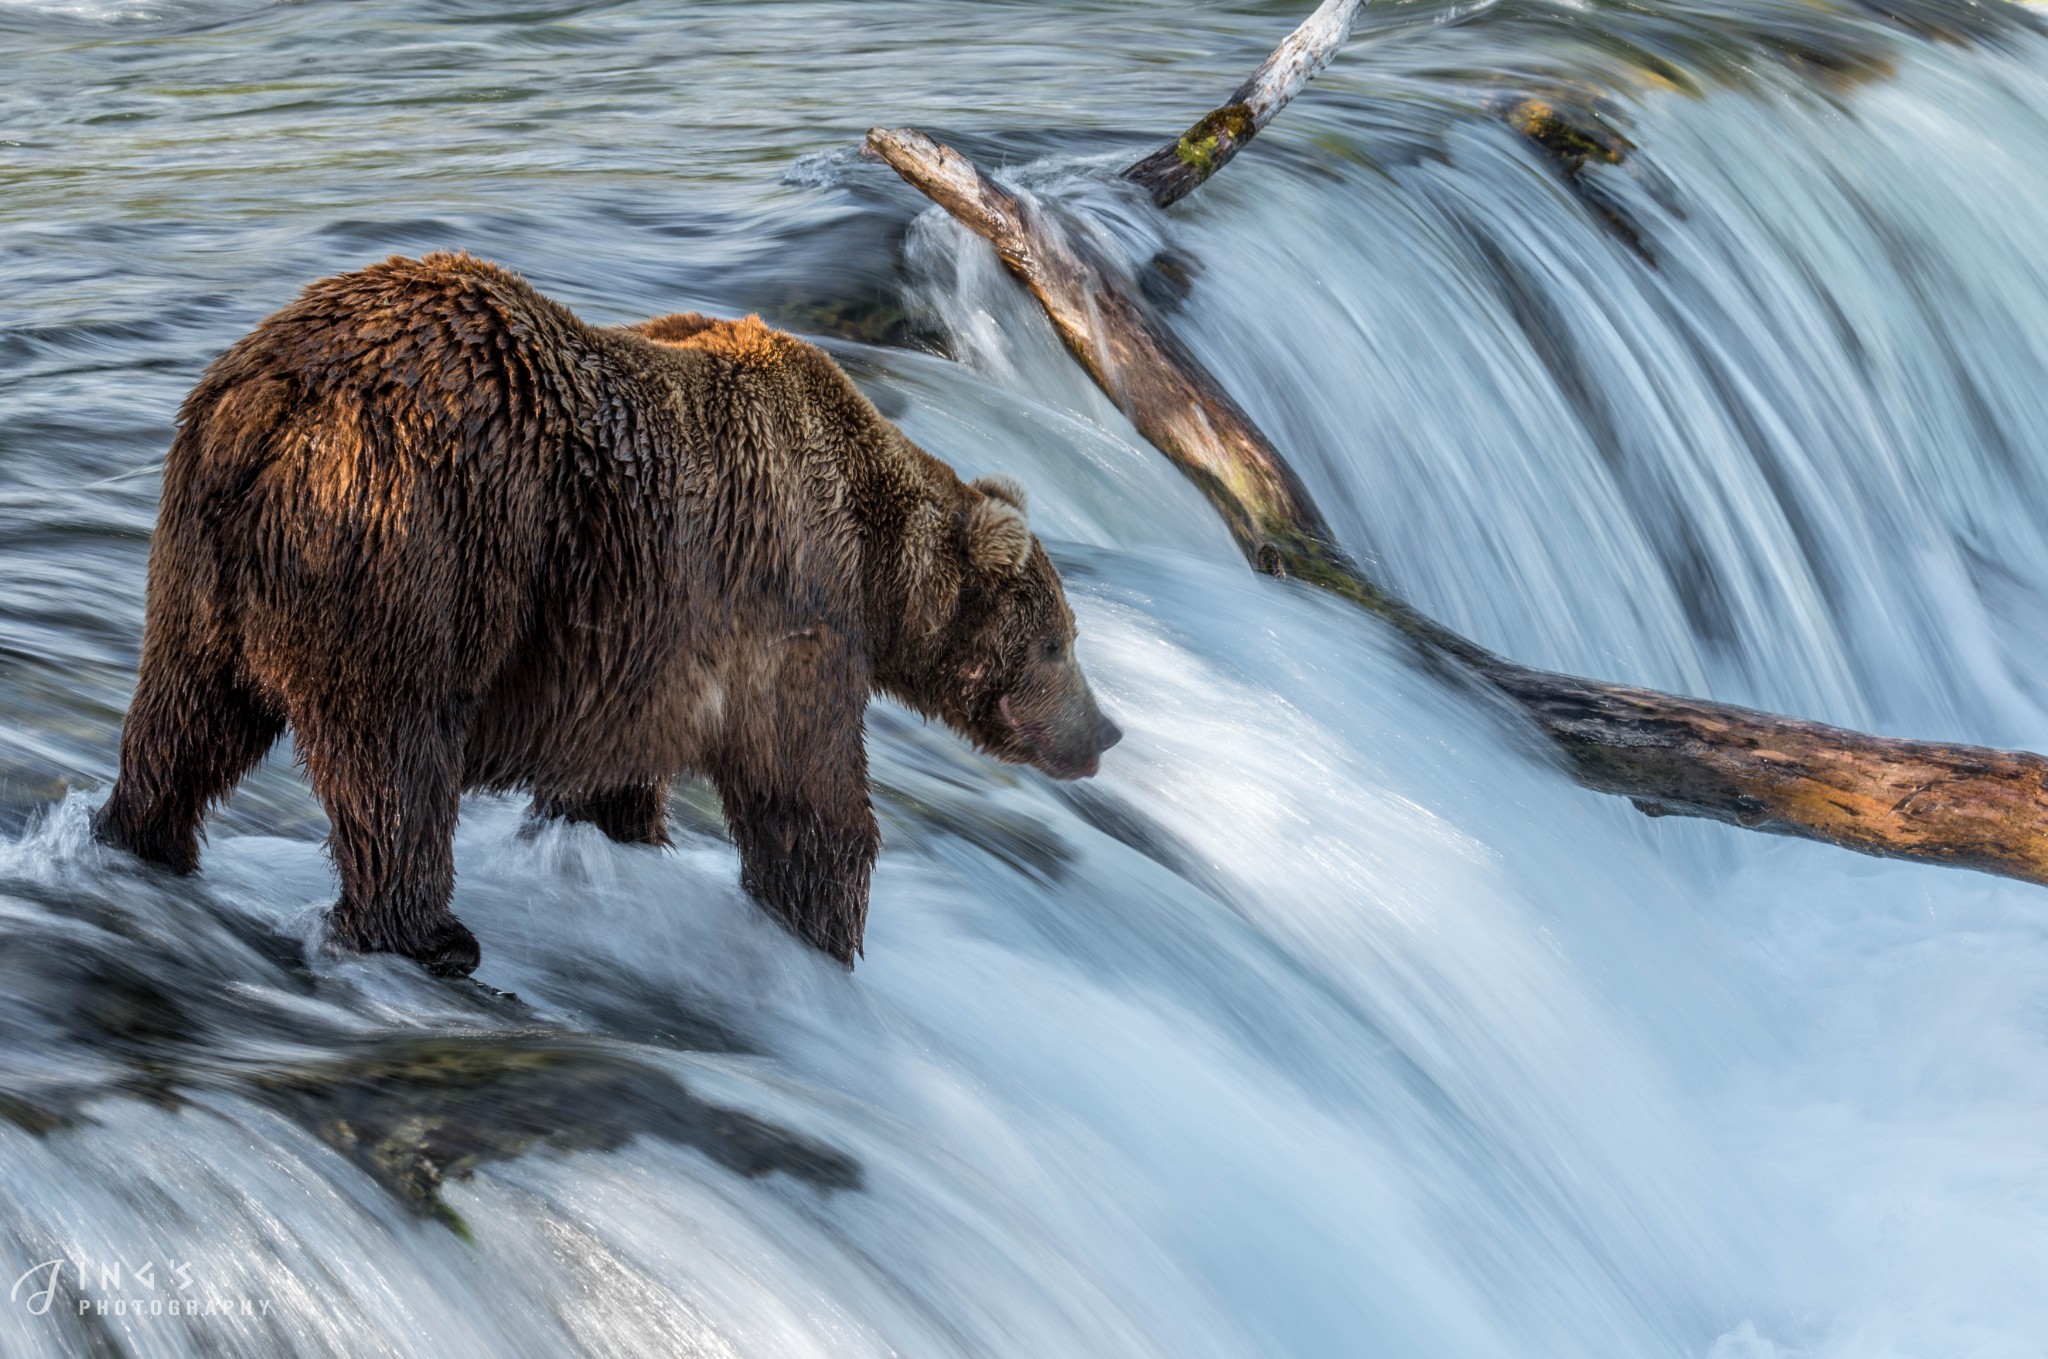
x: 1330, y: 1019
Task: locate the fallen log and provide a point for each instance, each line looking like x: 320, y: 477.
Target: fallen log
x: 1958, y: 805
x: 1178, y: 168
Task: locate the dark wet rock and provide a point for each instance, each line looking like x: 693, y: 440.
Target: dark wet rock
x: 119, y: 1007
x: 215, y: 941
x: 63, y: 989
x: 638, y: 1011
x: 1024, y: 843
x: 1168, y: 278
x: 1129, y: 825
x: 418, y: 1112
x: 38, y: 1116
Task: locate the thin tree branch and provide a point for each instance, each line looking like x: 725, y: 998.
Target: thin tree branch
x: 1175, y: 170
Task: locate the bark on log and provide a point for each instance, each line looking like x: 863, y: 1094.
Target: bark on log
x: 1958, y: 805
x: 1178, y: 168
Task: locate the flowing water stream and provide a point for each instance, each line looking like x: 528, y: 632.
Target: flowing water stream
x: 1329, y: 1020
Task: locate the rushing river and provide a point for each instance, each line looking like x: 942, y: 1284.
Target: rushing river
x: 1330, y: 1020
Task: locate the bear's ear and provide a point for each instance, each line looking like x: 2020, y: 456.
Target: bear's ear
x: 1006, y: 489
x: 998, y: 538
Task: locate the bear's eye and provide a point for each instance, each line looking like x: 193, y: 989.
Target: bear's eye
x: 1050, y: 648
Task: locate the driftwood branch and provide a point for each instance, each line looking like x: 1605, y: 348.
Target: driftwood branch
x: 1957, y: 805
x: 1178, y: 168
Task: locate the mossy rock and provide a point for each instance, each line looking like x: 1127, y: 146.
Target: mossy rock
x: 1571, y: 137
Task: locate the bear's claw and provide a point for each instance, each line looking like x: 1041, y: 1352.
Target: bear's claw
x: 451, y: 950
x: 446, y: 948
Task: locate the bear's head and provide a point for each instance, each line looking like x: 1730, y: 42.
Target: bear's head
x: 1008, y: 680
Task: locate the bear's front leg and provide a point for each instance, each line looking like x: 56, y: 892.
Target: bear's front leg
x: 793, y: 779
x: 807, y: 863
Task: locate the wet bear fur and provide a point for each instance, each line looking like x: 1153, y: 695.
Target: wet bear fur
x: 456, y: 539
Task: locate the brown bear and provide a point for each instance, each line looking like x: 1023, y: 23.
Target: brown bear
x: 455, y: 539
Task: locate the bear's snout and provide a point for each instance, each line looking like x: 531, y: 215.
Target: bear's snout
x: 1079, y: 756
x: 1067, y: 736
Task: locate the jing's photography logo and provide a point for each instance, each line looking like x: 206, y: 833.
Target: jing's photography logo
x: 153, y: 1288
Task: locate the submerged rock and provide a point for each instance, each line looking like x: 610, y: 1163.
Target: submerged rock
x: 117, y: 1014
x: 417, y: 1112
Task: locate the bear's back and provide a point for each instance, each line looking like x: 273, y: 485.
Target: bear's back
x: 431, y: 330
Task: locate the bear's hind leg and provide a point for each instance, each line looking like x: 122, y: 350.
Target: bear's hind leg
x: 390, y: 776
x: 192, y: 732
x: 636, y: 814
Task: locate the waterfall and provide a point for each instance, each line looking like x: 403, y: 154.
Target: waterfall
x: 1331, y: 1019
